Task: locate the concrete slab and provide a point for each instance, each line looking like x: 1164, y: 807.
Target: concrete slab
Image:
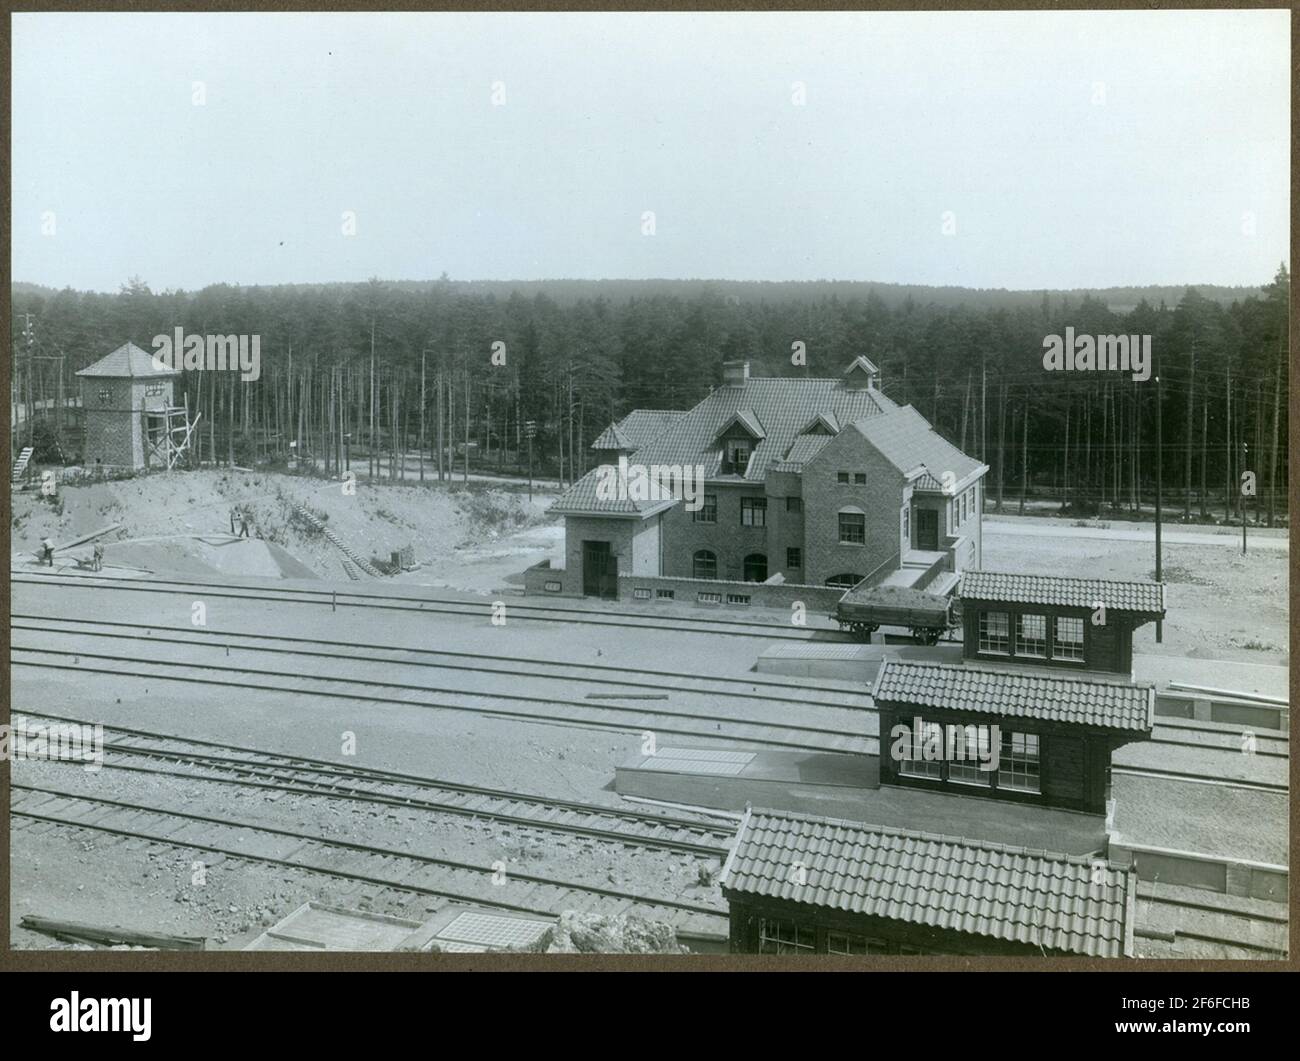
x: 848, y: 786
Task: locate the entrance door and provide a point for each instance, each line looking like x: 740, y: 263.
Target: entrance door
x: 927, y: 529
x: 599, y: 571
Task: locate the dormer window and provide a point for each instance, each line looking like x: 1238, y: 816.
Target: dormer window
x: 736, y: 455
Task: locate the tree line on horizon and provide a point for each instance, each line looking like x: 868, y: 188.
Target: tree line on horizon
x: 391, y: 373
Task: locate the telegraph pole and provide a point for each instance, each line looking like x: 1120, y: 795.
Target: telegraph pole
x: 1245, y: 452
x: 1160, y: 478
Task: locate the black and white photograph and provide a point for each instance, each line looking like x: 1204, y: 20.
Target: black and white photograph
x: 797, y: 488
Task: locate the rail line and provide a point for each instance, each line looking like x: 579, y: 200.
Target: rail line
x: 580, y: 714
x: 275, y: 771
x: 405, y: 871
x: 479, y: 662
x: 442, y: 605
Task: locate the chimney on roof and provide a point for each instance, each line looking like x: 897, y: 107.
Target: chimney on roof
x: 735, y: 373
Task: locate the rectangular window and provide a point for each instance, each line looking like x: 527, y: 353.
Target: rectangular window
x: 968, y: 748
x: 842, y: 478
x: 709, y: 598
x: 995, y: 632
x: 853, y: 528
x: 553, y: 587
x: 913, y: 762
x: 860, y: 478
x: 753, y: 512
x: 794, y: 504
x: 785, y: 937
x: 794, y: 558
x: 103, y: 394
x: 737, y: 455
x: 153, y: 390
x: 1031, y: 636
x: 1067, y: 641
x: 737, y: 598
x: 665, y: 594
x: 641, y: 593
x: 1019, y: 767
x: 907, y: 525
x: 708, y: 510
x: 848, y: 943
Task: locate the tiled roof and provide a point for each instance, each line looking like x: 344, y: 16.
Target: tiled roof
x: 782, y: 406
x: 805, y: 448
x: 905, y: 438
x: 1011, y: 693
x: 582, y: 498
x: 1057, y: 902
x: 636, y: 429
x: 746, y: 419
x: 1147, y: 597
x: 126, y: 362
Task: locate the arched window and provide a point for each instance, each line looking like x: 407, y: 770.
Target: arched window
x: 845, y: 581
x: 755, y: 568
x: 705, y: 565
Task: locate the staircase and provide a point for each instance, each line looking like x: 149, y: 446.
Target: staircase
x: 20, y: 465
x: 360, y: 561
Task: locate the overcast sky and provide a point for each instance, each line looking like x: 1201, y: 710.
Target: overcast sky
x: 1066, y: 149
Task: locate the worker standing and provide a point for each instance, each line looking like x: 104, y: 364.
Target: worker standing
x: 98, y: 563
x: 234, y: 515
x: 244, y: 521
x: 47, y: 551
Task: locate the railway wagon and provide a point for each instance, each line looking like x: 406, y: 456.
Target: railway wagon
x: 863, y: 611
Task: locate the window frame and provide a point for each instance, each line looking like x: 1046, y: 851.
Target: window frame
x: 794, y: 558
x: 1011, y: 758
x: 985, y: 641
x: 854, y: 513
x: 749, y: 507
x: 708, y: 510
x: 1021, y: 641
x: 697, y: 558
x: 1058, y: 641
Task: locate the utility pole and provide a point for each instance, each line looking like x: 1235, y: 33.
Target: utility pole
x: 422, y: 355
x: 1245, y: 452
x: 530, y: 429
x: 1160, y: 479
x: 371, y: 464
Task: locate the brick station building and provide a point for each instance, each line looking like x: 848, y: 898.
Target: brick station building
x: 797, y: 884
x: 814, y: 482
x: 122, y: 394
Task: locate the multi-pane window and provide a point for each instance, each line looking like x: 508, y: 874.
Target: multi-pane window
x: 851, y: 943
x: 103, y: 394
x: 705, y: 565
x: 907, y: 525
x: 794, y: 504
x: 755, y: 568
x: 1031, y: 636
x: 995, y: 632
x: 1068, y: 640
x: 753, y: 512
x: 737, y: 455
x: 1019, y: 768
x: 853, y: 528
x: 708, y: 510
x: 846, y: 581
x: 794, y: 558
x: 154, y: 390
x: 968, y: 748
x: 860, y: 478
x: 785, y: 937
x: 842, y: 478
x: 913, y: 763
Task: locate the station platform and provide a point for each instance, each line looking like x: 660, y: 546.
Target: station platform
x: 848, y: 786
x: 846, y: 662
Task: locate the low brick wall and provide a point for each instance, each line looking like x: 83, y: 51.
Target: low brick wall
x: 646, y: 589
x: 544, y: 580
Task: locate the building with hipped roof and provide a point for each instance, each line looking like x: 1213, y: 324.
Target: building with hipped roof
x: 824, y: 482
x: 131, y: 420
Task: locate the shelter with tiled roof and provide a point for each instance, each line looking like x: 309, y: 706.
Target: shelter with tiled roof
x: 797, y: 884
x: 1009, y: 733
x: 809, y: 481
x: 1056, y: 621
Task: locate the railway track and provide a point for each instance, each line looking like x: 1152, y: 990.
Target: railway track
x: 757, y: 687
x: 521, y: 706
x: 639, y: 620
x: 390, y: 869
x: 270, y: 771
